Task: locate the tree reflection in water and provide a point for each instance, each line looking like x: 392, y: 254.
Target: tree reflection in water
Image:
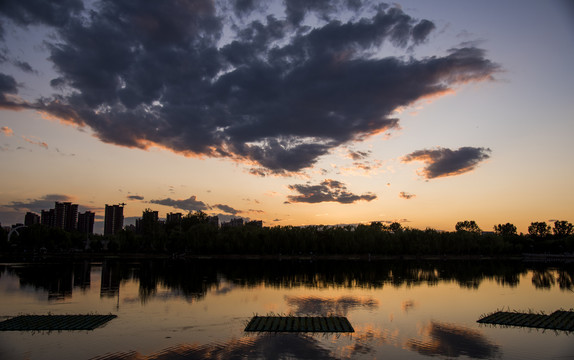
x: 192, y: 279
x: 543, y: 279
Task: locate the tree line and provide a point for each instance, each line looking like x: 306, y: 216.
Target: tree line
x: 196, y: 235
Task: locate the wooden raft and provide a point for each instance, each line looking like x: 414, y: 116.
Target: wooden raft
x: 558, y: 320
x: 326, y: 324
x: 54, y: 322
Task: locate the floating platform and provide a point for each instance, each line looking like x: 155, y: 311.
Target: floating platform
x: 54, y: 322
x: 326, y: 324
x: 558, y: 320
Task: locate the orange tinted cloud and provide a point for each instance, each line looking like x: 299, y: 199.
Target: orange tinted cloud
x: 36, y: 142
x: 7, y: 131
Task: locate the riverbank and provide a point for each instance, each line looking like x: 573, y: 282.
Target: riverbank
x: 297, y: 257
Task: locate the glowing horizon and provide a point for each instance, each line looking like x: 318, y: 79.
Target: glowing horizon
x: 419, y: 114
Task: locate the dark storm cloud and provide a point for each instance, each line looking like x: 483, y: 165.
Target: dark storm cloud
x: 8, y: 85
x: 328, y: 190
x: 422, y: 30
x: 36, y: 205
x: 243, y: 7
x: 446, y: 162
x: 8, y: 94
x: 190, y: 204
x: 272, y: 94
x: 227, y: 209
x: 33, y: 12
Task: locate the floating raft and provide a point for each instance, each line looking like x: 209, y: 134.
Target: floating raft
x: 326, y: 324
x: 54, y: 322
x: 558, y: 320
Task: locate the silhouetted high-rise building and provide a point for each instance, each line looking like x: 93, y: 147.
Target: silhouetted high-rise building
x: 48, y: 217
x: 237, y: 222
x: 66, y: 215
x: 31, y: 219
x: 86, y: 222
x: 173, y: 218
x: 213, y: 220
x: 148, y: 222
x: 114, y: 219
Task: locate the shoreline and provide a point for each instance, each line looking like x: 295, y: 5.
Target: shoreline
x: 566, y: 258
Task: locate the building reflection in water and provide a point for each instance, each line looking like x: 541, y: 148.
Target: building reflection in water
x: 110, y: 281
x: 82, y: 275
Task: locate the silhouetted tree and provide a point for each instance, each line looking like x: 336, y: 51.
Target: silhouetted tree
x: 563, y: 228
x: 467, y: 226
x: 395, y: 227
x: 193, y: 218
x: 507, y: 229
x: 539, y: 229
x: 377, y: 225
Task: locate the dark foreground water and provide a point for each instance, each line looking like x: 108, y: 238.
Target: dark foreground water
x: 198, y: 309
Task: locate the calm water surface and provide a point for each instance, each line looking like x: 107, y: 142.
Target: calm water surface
x: 197, y: 309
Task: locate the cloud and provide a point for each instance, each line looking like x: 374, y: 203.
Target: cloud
x: 35, y: 141
x: 256, y: 211
x: 36, y: 205
x: 7, y: 131
x: 135, y: 197
x: 269, y: 92
x: 227, y: 209
x: 358, y: 155
x: 364, y: 167
x: 328, y: 190
x: 405, y: 195
x: 24, y: 66
x: 443, y: 162
x: 190, y: 204
x: 30, y: 12
x: 8, y: 89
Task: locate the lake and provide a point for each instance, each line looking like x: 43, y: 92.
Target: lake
x: 198, y: 309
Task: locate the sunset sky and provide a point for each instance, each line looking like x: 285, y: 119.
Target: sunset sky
x: 293, y: 112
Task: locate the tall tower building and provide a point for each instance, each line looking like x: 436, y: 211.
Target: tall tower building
x: 31, y: 219
x: 114, y: 219
x: 66, y: 215
x: 48, y: 218
x: 86, y: 222
x: 173, y: 218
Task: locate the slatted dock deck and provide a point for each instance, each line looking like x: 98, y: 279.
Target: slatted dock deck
x: 558, y: 320
x: 326, y: 324
x: 54, y: 322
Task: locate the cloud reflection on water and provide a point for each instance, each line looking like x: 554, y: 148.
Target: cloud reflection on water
x: 257, y: 347
x: 367, y: 338
x: 451, y: 340
x: 316, y: 305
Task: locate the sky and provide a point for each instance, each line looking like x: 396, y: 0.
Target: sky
x: 292, y: 112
